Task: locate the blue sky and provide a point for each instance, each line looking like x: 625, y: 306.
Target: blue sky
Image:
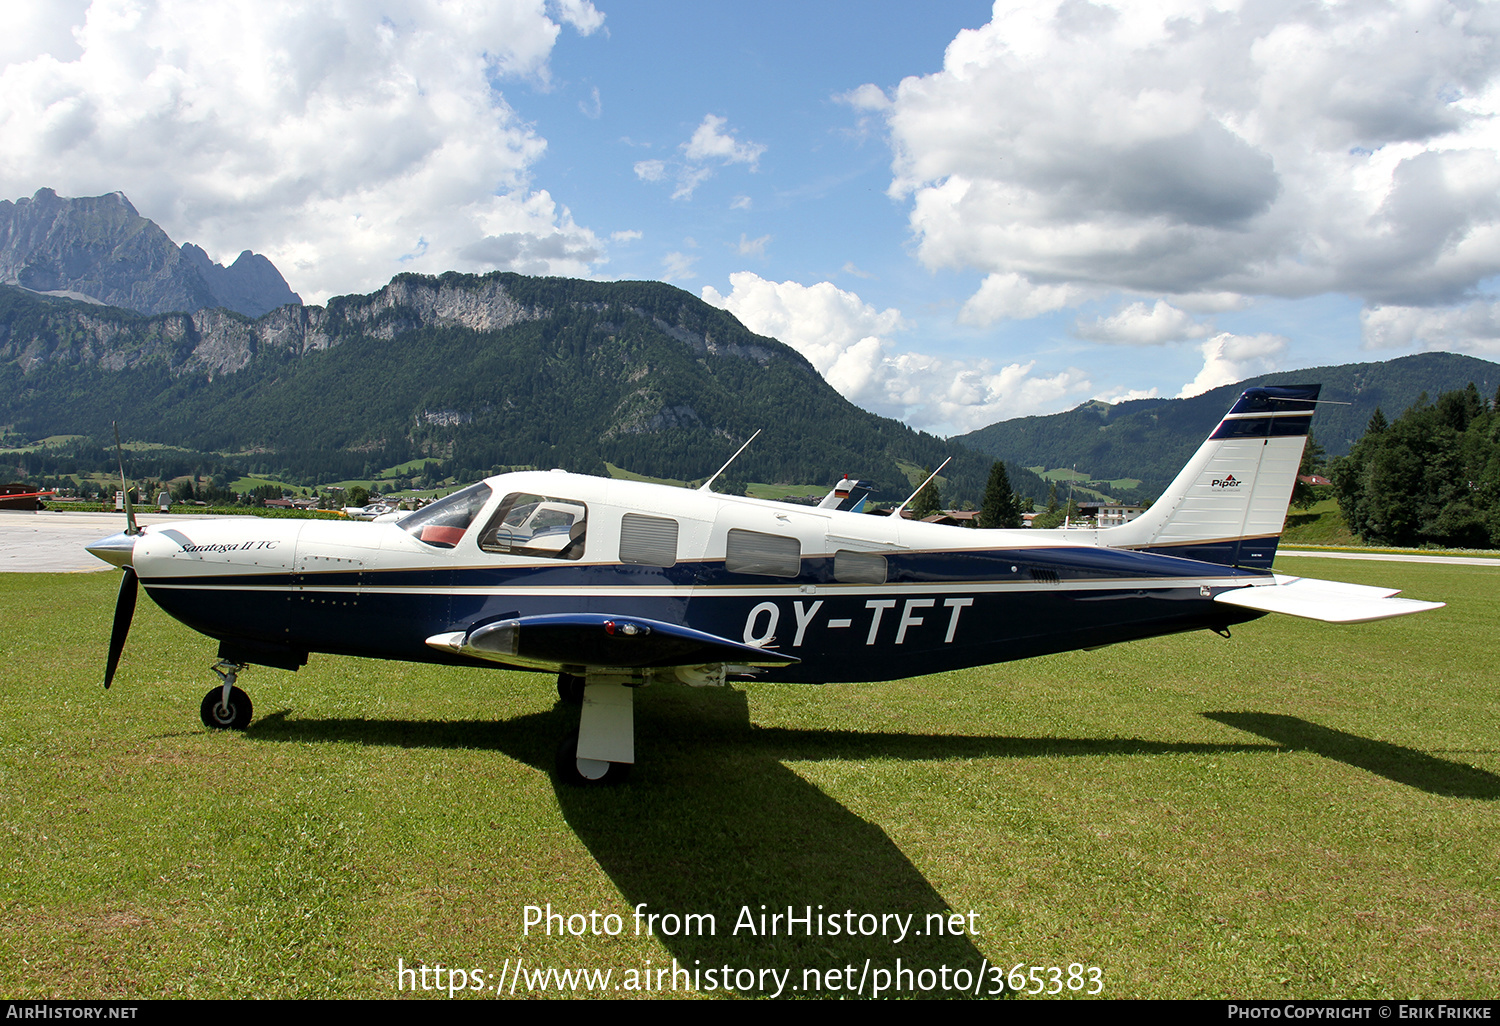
x: 959, y: 213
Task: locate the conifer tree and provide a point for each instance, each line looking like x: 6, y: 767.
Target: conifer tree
x: 927, y: 502
x: 1000, y: 508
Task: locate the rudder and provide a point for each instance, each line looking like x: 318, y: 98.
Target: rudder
x: 1228, y: 504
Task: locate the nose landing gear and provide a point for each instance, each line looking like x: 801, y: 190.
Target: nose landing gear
x: 226, y: 707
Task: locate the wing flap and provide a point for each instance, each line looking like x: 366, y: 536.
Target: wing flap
x: 1329, y: 601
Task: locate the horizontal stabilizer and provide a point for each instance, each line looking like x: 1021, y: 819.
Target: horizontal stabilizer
x: 558, y: 640
x: 1329, y: 601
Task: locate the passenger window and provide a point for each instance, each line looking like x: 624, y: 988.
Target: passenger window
x: 750, y: 552
x: 443, y: 523
x: 536, y: 525
x: 858, y: 567
x: 650, y: 541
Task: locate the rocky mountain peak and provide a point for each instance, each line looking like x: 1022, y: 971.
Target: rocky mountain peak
x: 101, y: 248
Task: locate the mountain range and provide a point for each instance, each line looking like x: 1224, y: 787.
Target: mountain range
x: 108, y: 320
x: 99, y: 249
x: 475, y: 373
x: 1151, y: 439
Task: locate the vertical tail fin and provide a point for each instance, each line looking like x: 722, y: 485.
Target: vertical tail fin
x: 1229, y: 503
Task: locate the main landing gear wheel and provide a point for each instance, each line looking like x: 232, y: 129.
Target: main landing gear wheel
x: 587, y: 772
x: 235, y: 715
x: 570, y: 688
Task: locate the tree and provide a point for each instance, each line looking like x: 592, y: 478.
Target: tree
x: 1430, y: 477
x: 1000, y: 507
x: 1305, y: 495
x: 927, y: 502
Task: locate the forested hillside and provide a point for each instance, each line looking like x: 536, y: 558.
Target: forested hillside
x: 1151, y: 439
x: 472, y: 373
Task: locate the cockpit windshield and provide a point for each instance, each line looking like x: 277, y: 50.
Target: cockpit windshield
x: 444, y: 522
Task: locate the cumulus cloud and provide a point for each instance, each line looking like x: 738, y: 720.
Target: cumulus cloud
x: 849, y: 342
x: 1229, y: 358
x: 1126, y: 395
x: 1012, y: 295
x: 711, y: 142
x: 1136, y: 325
x: 332, y: 139
x: 1471, y: 328
x: 1192, y: 148
x: 709, y: 148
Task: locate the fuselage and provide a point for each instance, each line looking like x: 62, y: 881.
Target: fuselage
x: 853, y: 596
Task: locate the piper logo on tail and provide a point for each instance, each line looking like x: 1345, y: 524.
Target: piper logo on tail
x: 1227, y: 481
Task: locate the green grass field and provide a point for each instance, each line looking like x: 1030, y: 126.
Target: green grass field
x: 1301, y: 811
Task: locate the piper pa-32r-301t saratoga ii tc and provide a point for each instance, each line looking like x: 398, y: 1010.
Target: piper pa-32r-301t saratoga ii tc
x: 614, y: 584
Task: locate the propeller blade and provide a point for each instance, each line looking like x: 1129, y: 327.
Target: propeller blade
x: 124, y: 611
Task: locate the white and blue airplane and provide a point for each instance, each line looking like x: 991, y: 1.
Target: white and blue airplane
x: 615, y: 584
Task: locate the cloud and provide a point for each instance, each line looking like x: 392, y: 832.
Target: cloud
x: 865, y: 98
x: 591, y: 108
x: 1126, y: 395
x: 869, y: 101
x: 678, y: 266
x: 329, y: 138
x: 1229, y: 358
x: 1136, y: 325
x: 848, y: 342
x: 629, y: 235
x: 1012, y: 295
x: 1472, y: 328
x: 1067, y: 150
x: 711, y: 142
x: 581, y: 14
x: 709, y: 148
x: 651, y: 170
x: 752, y: 247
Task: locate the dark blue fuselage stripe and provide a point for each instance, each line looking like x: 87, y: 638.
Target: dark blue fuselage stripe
x: 838, y: 637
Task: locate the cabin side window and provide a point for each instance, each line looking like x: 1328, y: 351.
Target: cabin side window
x: 858, y: 567
x: 442, y: 524
x: 536, y: 525
x: 750, y: 552
x: 649, y: 541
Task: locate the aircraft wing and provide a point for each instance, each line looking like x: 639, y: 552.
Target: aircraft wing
x: 555, y: 640
x: 1329, y: 601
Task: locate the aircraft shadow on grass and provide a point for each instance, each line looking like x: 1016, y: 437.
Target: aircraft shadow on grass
x: 1402, y: 765
x: 716, y: 823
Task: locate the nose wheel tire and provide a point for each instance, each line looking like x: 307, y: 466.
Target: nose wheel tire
x: 587, y: 772
x: 235, y: 715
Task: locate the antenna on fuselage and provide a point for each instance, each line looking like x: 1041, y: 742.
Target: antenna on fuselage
x: 897, y: 511
x: 130, y: 528
x: 705, y: 485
